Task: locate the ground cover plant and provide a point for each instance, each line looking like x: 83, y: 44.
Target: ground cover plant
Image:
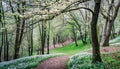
x: 83, y: 61
x: 26, y: 62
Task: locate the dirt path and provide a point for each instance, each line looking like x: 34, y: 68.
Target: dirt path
x: 110, y: 49
x: 54, y: 63
x: 59, y: 44
x: 60, y: 61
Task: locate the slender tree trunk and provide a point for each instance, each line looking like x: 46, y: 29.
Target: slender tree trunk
x: 108, y: 25
x: 113, y: 32
x: 54, y: 41
x: 30, y: 41
x: 39, y: 51
x: 79, y: 27
x: 96, y: 48
x: 1, y: 47
x: 7, y: 45
x: 48, y: 39
x: 17, y: 46
x: 5, y: 39
x: 43, y: 38
x: 74, y: 34
x: 20, y: 29
x: 83, y: 37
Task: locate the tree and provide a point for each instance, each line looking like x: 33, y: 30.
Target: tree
x: 30, y: 40
x: 22, y: 16
x: 109, y: 24
x: 48, y: 38
x: 4, y: 42
x: 20, y: 23
x: 74, y: 35
x: 43, y: 37
x: 79, y: 28
x: 95, y: 44
x: 2, y: 31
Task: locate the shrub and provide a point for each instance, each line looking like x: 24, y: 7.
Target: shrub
x: 25, y: 62
x: 83, y: 61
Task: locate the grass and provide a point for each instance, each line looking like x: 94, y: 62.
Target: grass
x: 71, y: 49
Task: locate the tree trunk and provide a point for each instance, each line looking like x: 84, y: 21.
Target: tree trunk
x: 54, y: 41
x: 79, y: 27
x: 108, y: 26
x: 17, y: 46
x: 74, y: 34
x: 43, y: 38
x: 48, y: 39
x: 113, y: 32
x: 96, y: 48
x: 4, y: 34
x: 7, y: 45
x: 20, y: 29
x: 30, y: 41
x: 1, y: 47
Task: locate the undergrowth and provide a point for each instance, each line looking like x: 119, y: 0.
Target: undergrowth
x: 80, y: 61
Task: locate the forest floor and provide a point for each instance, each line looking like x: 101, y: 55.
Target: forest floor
x: 54, y: 63
x: 110, y: 49
x: 61, y: 61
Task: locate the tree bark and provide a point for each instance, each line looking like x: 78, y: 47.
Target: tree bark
x: 108, y: 26
x: 20, y: 29
x: 43, y: 38
x: 4, y: 34
x: 79, y: 28
x: 48, y: 39
x: 95, y: 45
x: 54, y: 41
x: 74, y: 35
x: 30, y: 41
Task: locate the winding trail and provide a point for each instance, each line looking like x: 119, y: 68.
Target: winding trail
x: 54, y: 63
x: 60, y: 61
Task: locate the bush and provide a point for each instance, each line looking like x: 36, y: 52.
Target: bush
x: 26, y: 62
x: 83, y: 61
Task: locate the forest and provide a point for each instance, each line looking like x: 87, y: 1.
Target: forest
x: 59, y: 34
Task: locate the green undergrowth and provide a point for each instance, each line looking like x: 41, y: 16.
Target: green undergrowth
x: 83, y: 61
x: 116, y: 40
x: 71, y: 49
x: 26, y: 62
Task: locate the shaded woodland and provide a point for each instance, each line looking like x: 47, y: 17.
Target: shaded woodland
x: 30, y: 27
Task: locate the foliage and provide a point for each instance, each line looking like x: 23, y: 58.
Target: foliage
x: 83, y: 61
x: 116, y: 40
x: 26, y: 62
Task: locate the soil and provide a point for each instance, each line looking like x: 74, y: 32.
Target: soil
x: 109, y: 49
x: 54, y: 63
